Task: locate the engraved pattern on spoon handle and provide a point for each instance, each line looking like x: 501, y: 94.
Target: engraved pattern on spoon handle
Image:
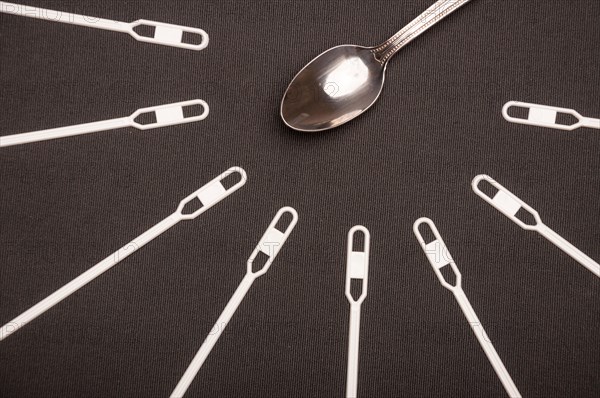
x: 427, y: 19
x: 434, y: 8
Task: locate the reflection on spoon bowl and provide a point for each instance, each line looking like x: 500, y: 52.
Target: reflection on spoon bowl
x: 334, y: 88
x: 345, y: 81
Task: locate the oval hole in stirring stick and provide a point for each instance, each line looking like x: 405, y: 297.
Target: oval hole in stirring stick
x: 526, y: 217
x: 285, y: 220
x: 518, y: 112
x: 427, y: 233
x: 487, y: 188
x: 146, y: 118
x: 145, y: 30
x: 566, y: 119
x: 449, y: 275
x: 259, y: 262
x: 194, y: 110
x: 230, y: 180
x: 192, y: 38
x: 191, y: 207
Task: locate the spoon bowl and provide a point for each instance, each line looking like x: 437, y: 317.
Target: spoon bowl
x: 345, y: 81
x: 333, y: 89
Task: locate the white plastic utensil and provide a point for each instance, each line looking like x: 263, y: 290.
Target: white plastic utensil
x: 164, y: 34
x: 269, y: 245
x: 166, y: 115
x: 357, y: 267
x: 545, y: 116
x: 438, y: 255
x: 509, y: 205
x: 209, y: 195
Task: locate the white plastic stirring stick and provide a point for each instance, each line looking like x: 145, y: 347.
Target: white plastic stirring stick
x: 509, y: 205
x: 166, y: 115
x: 438, y: 255
x: 270, y: 244
x: 545, y: 116
x: 164, y: 34
x: 210, y: 194
x: 357, y: 267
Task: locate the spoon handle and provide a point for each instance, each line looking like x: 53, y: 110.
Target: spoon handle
x: 426, y: 20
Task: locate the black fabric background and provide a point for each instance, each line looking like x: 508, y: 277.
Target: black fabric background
x: 66, y: 204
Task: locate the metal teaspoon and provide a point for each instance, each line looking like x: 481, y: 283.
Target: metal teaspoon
x: 346, y: 80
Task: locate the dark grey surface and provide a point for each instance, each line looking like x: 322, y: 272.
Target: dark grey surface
x: 67, y: 204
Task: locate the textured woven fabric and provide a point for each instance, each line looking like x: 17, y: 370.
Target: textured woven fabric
x: 66, y: 204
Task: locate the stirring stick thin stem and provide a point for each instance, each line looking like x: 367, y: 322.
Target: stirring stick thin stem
x: 353, y: 340
x: 63, y: 17
x: 568, y: 248
x: 486, y: 343
x: 590, y: 122
x: 213, y: 336
x: 87, y: 276
x: 61, y: 132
